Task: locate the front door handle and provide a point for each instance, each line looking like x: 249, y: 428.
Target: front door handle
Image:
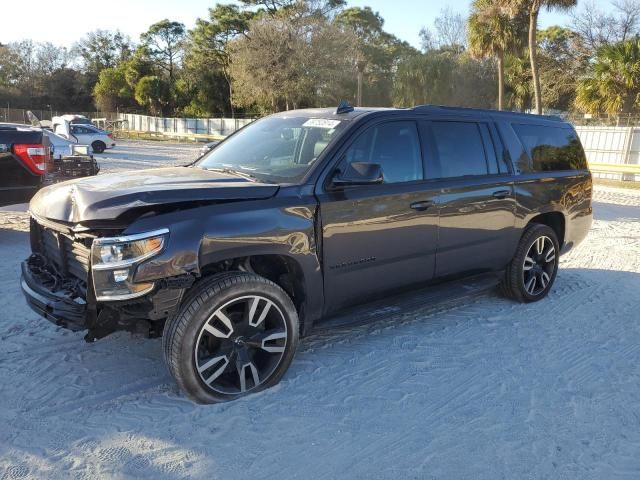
x: 422, y: 206
x: 502, y: 194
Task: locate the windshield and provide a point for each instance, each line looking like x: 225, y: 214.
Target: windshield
x: 274, y: 148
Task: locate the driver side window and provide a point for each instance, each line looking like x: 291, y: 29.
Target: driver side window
x: 395, y: 146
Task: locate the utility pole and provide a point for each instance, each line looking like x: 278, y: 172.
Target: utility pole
x: 362, y: 64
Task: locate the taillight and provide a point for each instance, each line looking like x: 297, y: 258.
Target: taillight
x: 34, y: 156
x: 110, y: 135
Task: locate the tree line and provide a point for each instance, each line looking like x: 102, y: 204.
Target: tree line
x: 262, y: 56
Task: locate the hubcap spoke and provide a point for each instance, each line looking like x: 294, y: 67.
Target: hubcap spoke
x: 255, y: 318
x: 244, y: 365
x: 220, y: 362
x: 540, y: 245
x: 550, y: 256
x: 262, y: 340
x: 529, y: 263
x: 531, y: 284
x: 219, y: 318
x: 544, y: 279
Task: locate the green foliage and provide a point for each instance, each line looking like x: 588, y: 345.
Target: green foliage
x: 519, y: 83
x: 531, y: 8
x: 374, y: 56
x: 112, y: 90
x: 443, y: 78
x: 208, y: 55
x: 163, y: 43
x: 613, y: 82
x: 494, y: 33
x: 102, y: 49
x: 153, y: 93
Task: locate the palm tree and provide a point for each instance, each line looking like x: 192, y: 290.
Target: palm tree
x: 532, y: 9
x: 492, y: 32
x: 613, y: 86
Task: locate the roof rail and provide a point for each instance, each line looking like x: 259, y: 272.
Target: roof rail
x: 440, y: 108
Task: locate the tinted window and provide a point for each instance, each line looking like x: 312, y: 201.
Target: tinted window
x: 394, y: 146
x: 489, y: 148
x: 459, y: 150
x: 552, y: 148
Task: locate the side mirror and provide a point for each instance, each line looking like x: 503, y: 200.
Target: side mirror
x: 358, y: 173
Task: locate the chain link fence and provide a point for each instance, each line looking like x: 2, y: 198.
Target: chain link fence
x: 19, y: 115
x: 620, y: 120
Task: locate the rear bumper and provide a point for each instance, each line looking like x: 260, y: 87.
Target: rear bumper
x: 56, y: 307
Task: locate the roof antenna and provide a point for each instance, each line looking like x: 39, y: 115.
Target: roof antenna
x: 344, y: 107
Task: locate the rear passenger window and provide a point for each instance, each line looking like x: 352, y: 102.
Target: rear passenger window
x: 459, y: 150
x: 395, y: 146
x: 552, y: 148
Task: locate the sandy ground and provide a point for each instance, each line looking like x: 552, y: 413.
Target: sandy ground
x: 481, y: 388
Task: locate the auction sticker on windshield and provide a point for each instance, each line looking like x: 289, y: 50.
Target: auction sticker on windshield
x: 321, y: 123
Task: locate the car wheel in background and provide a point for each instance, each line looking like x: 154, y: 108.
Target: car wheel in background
x: 98, y: 146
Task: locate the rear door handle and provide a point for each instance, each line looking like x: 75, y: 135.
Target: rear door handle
x: 422, y: 206
x: 501, y: 194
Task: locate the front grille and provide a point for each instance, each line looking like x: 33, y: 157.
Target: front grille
x: 66, y: 255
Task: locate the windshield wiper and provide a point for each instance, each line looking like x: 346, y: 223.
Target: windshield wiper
x: 233, y: 171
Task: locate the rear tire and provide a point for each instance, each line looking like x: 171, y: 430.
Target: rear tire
x: 533, y: 269
x: 98, y: 146
x: 236, y: 333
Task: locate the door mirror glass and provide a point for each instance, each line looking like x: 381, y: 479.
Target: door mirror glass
x: 359, y: 173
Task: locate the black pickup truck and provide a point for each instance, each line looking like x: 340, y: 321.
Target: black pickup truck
x: 297, y: 217
x: 24, y: 155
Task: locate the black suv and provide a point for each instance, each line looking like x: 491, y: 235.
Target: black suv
x: 297, y: 217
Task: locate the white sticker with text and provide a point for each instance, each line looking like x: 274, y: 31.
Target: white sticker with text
x: 321, y: 123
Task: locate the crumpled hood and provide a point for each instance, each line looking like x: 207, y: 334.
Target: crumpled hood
x: 105, y: 197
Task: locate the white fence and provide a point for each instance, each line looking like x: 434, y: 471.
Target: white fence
x: 616, y: 146
x: 184, y: 126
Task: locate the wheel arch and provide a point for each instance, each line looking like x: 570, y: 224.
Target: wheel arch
x: 283, y: 270
x: 555, y: 220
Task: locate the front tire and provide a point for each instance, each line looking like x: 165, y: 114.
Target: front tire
x: 98, y: 146
x: 533, y: 270
x: 236, y: 333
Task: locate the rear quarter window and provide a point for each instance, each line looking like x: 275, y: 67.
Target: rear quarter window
x: 551, y: 148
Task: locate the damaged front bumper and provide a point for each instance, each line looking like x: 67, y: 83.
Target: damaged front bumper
x: 59, y: 302
x: 65, y: 303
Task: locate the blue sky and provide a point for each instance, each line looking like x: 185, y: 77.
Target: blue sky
x: 62, y: 23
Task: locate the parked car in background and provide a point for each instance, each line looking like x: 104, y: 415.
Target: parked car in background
x: 207, y: 147
x: 83, y: 134
x: 297, y: 218
x: 75, y: 119
x: 24, y: 159
x: 98, y: 139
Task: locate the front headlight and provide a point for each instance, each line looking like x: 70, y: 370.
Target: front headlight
x: 113, y: 263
